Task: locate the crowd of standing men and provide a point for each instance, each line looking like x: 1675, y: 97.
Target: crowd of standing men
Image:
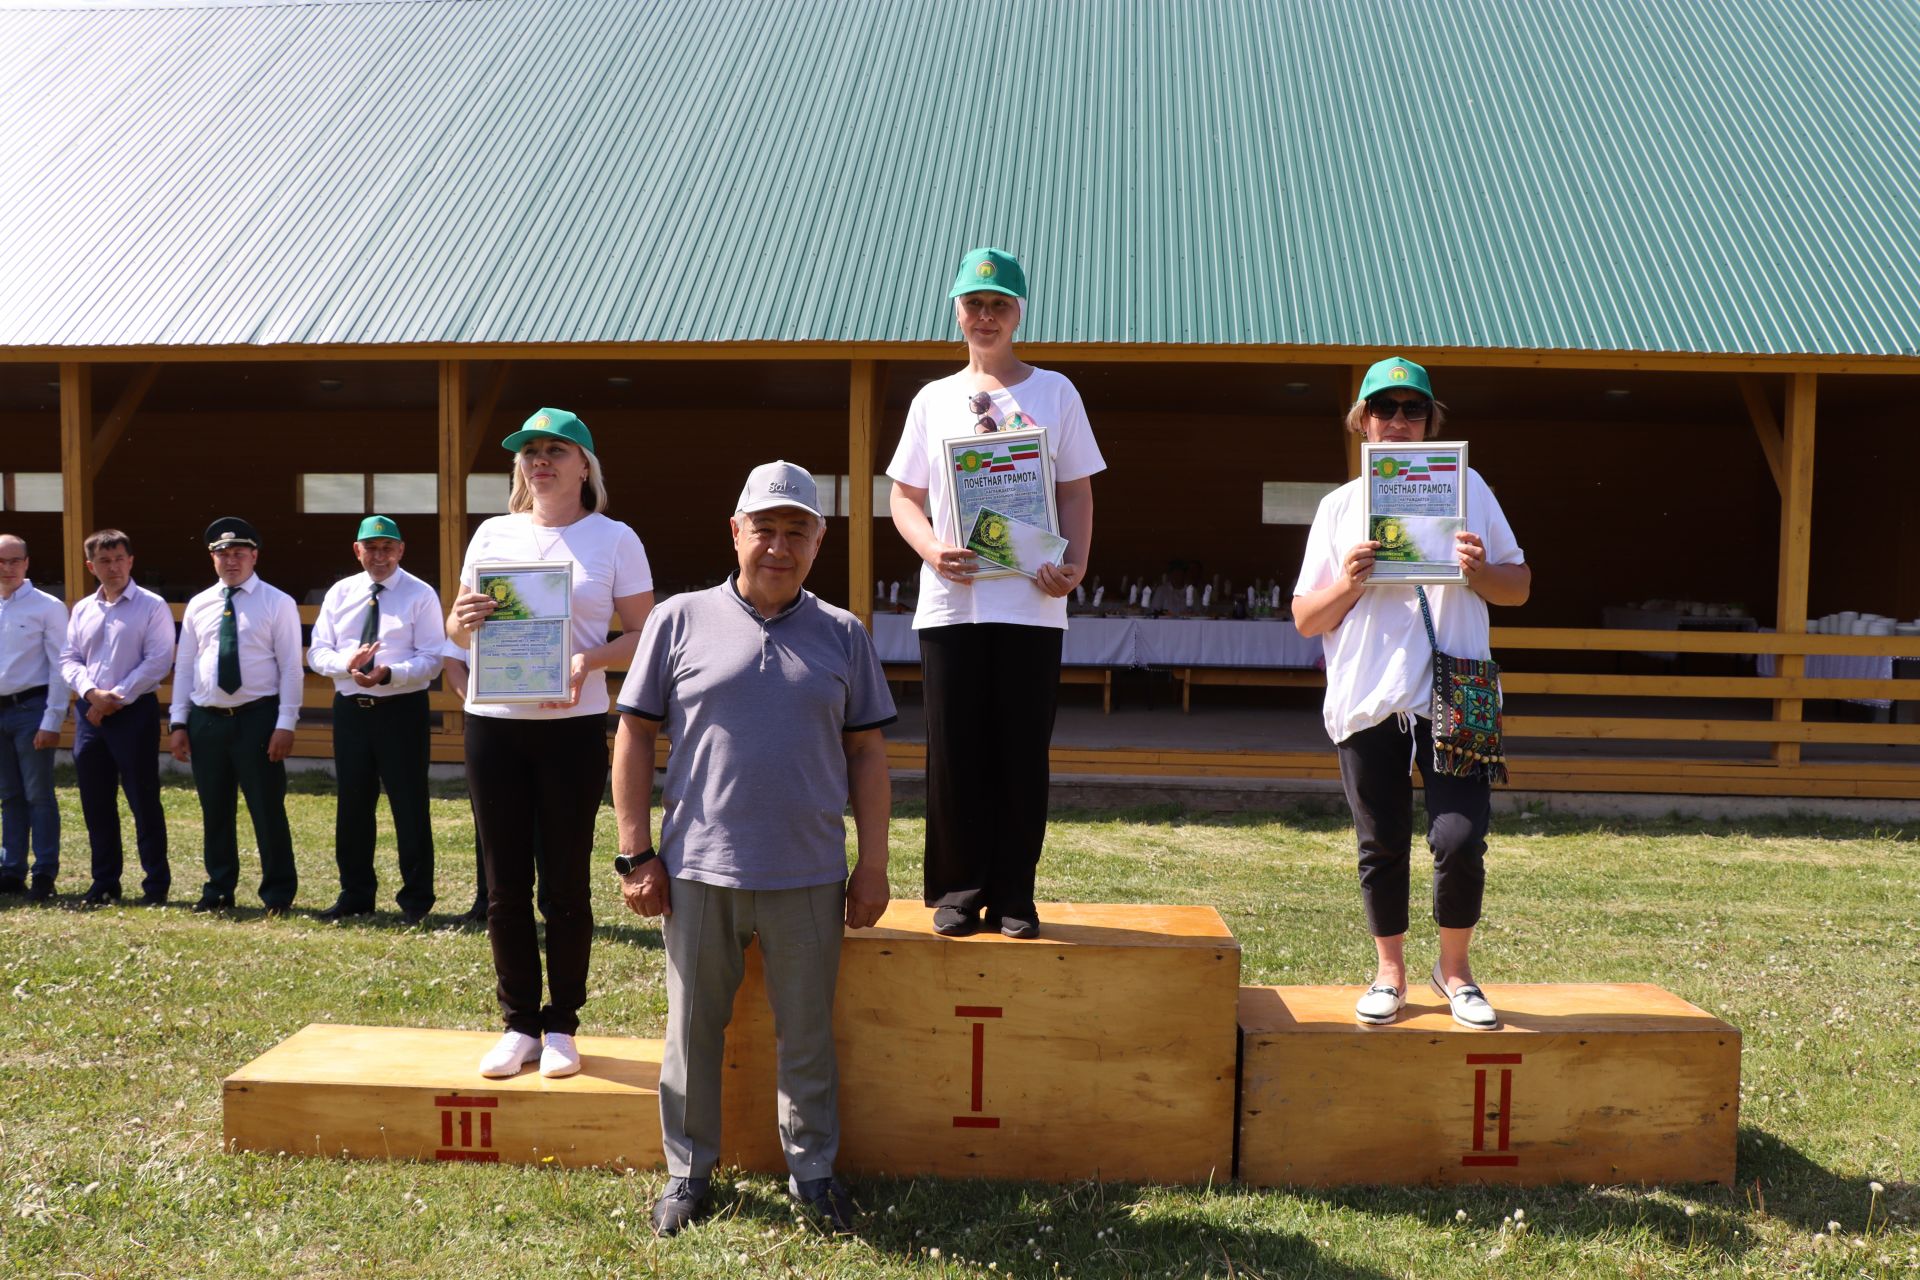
x: 237, y: 672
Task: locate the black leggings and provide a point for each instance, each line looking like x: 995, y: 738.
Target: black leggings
x: 546, y: 777
x: 1374, y: 768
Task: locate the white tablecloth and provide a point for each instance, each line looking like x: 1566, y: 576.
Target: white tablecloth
x: 1143, y: 642
x: 1837, y: 666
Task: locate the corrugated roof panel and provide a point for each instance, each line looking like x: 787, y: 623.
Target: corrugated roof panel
x: 1641, y: 175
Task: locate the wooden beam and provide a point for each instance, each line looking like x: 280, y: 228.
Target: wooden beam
x: 1654, y: 729
x: 76, y: 474
x: 475, y: 427
x: 1796, y: 543
x: 865, y: 390
x: 1760, y: 410
x: 1358, y: 375
x: 1601, y: 639
x: 453, y: 476
x: 115, y: 424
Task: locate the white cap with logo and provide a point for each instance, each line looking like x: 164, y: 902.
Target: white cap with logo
x: 779, y: 484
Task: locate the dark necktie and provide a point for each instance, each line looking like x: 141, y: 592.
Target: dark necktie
x: 229, y: 669
x: 370, y: 629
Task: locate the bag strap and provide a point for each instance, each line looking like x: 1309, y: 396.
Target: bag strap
x: 1426, y: 617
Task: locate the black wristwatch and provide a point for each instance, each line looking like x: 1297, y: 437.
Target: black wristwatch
x: 628, y: 863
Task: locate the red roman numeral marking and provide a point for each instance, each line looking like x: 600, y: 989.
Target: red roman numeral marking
x: 1503, y: 1132
x: 460, y: 1111
x: 977, y: 1013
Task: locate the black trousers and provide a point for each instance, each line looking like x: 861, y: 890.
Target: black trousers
x: 382, y: 742
x: 230, y: 759
x: 990, y: 691
x: 546, y: 777
x: 1379, y: 784
x: 119, y: 754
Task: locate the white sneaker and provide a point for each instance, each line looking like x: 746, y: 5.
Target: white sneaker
x: 510, y: 1052
x: 560, y: 1058
x: 1469, y: 1004
x: 1380, y: 1005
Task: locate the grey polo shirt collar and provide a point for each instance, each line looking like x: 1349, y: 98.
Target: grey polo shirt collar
x: 733, y: 589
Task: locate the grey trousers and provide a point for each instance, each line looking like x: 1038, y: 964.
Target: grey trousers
x: 706, y: 939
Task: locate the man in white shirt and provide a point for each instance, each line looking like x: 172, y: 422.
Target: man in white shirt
x: 119, y: 648
x: 33, y: 702
x: 236, y: 697
x: 379, y: 637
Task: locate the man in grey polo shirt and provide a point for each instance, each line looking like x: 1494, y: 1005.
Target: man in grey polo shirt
x: 774, y: 702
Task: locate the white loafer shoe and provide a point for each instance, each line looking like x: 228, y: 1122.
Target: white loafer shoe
x: 1380, y: 1005
x: 510, y: 1052
x: 560, y: 1058
x: 1469, y: 1004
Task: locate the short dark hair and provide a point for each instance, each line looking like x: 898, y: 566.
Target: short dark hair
x: 106, y: 540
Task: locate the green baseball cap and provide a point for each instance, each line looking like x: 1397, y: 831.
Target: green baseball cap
x: 1393, y: 372
x: 557, y: 423
x: 989, y: 271
x: 377, y: 527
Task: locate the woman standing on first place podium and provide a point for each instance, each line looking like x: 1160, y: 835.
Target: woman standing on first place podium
x: 543, y: 767
x: 990, y: 649
x: 1380, y: 698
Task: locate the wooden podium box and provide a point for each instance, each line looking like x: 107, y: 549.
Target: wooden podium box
x: 1582, y: 1083
x: 1104, y: 1048
x: 398, y: 1093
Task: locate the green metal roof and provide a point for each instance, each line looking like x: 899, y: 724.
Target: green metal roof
x: 1642, y: 175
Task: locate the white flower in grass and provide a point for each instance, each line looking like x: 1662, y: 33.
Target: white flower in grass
x: 1833, y: 1228
x: 933, y: 1253
x: 1519, y: 1214
x: 1819, y: 1238
x: 1875, y: 1187
x: 1459, y: 1215
x: 1690, y: 1210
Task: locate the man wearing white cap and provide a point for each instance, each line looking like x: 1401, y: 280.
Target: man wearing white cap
x: 774, y: 702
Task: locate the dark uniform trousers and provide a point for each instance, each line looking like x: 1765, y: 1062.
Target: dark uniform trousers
x: 230, y: 760
x: 119, y: 754
x: 382, y: 743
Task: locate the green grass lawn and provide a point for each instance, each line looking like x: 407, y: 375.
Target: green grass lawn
x: 120, y: 1024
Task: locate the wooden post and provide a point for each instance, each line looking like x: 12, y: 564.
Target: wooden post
x: 453, y: 477
x: 1359, y: 373
x: 1796, y: 542
x: 865, y: 387
x: 76, y: 473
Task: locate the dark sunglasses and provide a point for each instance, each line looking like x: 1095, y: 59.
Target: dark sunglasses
x: 1384, y: 407
x: 981, y: 403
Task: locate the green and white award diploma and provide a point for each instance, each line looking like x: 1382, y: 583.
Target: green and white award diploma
x: 1008, y: 474
x: 1416, y: 502
x: 523, y: 652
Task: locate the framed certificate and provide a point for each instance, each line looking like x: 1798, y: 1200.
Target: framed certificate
x: 1009, y: 473
x: 1416, y: 500
x: 523, y: 652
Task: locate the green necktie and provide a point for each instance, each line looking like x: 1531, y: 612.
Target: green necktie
x: 229, y: 669
x: 370, y: 629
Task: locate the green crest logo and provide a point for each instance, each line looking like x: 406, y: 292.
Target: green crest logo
x: 986, y: 271
x: 1398, y: 373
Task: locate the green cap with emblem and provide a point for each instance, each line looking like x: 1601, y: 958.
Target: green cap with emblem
x: 377, y: 527
x: 990, y: 271
x: 557, y: 423
x: 1393, y: 372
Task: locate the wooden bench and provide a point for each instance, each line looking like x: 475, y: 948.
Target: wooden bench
x: 909, y: 672
x: 1270, y: 677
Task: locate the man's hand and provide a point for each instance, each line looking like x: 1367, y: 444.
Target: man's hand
x: 279, y: 746
x: 103, y: 701
x: 369, y: 679
x: 645, y: 890
x: 45, y: 738
x: 576, y: 680
x: 867, y: 895
x: 95, y: 715
x: 177, y: 746
x: 1060, y: 579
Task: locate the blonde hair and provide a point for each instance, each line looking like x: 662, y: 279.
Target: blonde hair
x: 1357, y: 419
x: 593, y: 490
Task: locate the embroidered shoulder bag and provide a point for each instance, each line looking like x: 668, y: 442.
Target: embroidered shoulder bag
x: 1466, y: 711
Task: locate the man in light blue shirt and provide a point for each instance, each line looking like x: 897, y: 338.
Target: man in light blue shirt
x: 33, y: 702
x: 119, y: 648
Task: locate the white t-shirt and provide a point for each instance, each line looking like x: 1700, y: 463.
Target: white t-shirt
x: 940, y: 412
x: 608, y: 562
x: 1379, y: 662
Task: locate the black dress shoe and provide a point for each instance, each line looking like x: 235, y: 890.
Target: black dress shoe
x: 213, y: 902
x: 412, y: 918
x: 826, y: 1200
x: 478, y: 913
x: 154, y: 898
x: 99, y: 895
x: 343, y: 909
x: 13, y: 884
x: 276, y: 910
x: 681, y: 1205
x: 1020, y: 926
x: 952, y: 922
x: 41, y: 889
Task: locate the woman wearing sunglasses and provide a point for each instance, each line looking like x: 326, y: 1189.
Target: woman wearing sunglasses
x: 990, y: 649
x: 1379, y: 697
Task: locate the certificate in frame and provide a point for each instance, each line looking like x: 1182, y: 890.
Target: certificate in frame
x: 523, y: 652
x: 1009, y: 472
x: 1416, y: 500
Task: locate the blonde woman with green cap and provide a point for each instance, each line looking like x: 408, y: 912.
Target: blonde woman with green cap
x: 537, y: 771
x: 1379, y: 701
x: 990, y: 648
